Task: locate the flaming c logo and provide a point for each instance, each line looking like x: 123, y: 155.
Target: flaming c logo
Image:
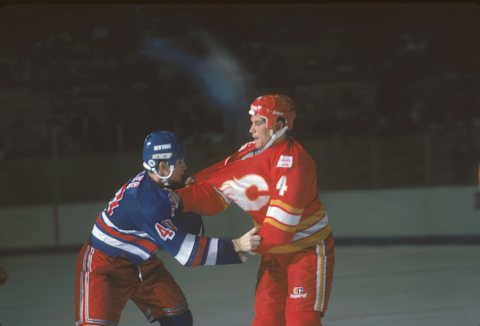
x: 250, y: 192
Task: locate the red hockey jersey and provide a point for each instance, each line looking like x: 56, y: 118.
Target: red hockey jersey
x: 277, y: 187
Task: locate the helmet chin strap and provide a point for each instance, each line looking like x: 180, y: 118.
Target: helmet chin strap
x: 274, y: 137
x: 163, y: 178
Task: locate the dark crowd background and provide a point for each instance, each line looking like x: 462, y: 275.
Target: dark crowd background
x: 84, y: 82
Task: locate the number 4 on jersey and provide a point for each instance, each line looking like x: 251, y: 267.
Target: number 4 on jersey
x: 164, y: 233
x: 282, y: 185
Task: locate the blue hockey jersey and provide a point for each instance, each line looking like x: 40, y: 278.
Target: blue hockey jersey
x: 142, y: 217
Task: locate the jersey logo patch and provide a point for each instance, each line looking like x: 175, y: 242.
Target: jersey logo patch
x: 285, y: 161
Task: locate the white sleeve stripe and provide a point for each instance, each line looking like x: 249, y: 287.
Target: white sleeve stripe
x: 186, y: 249
x: 311, y: 230
x: 282, y: 216
x: 212, y: 252
x: 113, y: 226
x: 97, y: 233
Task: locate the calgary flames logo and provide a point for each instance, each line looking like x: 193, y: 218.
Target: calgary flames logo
x: 250, y: 192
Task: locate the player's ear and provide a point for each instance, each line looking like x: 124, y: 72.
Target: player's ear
x: 163, y: 168
x: 280, y: 124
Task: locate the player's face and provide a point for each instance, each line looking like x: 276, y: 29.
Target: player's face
x: 259, y: 131
x: 177, y: 175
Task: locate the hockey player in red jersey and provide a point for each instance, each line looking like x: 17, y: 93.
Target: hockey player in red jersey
x: 274, y: 179
x: 118, y: 261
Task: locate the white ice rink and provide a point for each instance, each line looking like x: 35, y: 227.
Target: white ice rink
x: 373, y: 286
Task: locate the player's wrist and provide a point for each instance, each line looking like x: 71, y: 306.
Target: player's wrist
x: 236, y: 245
x: 238, y: 249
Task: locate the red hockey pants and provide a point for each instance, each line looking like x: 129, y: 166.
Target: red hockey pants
x: 293, y: 289
x: 103, y: 285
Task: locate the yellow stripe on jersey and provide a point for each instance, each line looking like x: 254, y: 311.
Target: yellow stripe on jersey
x: 311, y: 220
x: 311, y: 230
x: 286, y: 207
x: 279, y: 225
x: 304, y: 225
x: 310, y: 241
x: 282, y: 216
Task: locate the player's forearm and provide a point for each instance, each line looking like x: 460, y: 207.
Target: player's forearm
x: 215, y: 251
x: 198, y: 251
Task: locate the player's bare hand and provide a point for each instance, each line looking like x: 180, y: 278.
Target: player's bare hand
x: 247, y: 242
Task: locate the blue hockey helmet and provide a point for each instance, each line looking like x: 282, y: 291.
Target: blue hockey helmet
x: 161, y: 146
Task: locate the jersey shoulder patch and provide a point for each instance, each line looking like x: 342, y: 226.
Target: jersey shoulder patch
x: 285, y: 161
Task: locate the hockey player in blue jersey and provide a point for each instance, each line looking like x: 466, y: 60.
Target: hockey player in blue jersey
x: 118, y: 261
